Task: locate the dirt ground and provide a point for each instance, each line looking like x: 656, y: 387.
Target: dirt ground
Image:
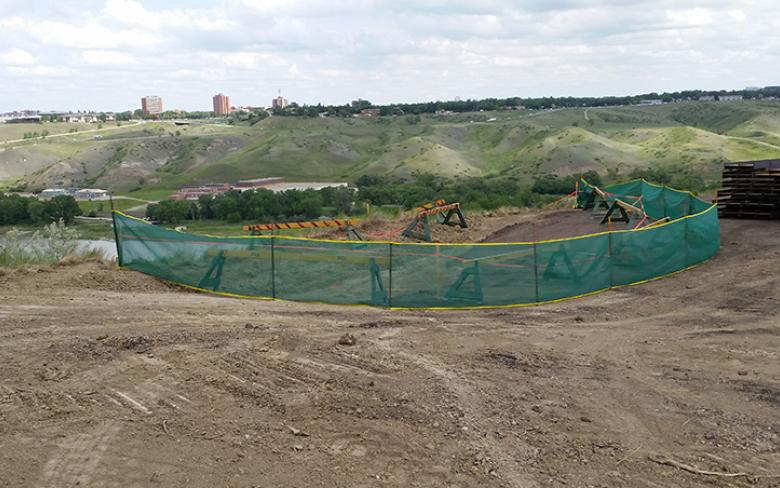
x: 481, y: 225
x: 111, y: 378
x: 503, y: 225
x: 551, y: 224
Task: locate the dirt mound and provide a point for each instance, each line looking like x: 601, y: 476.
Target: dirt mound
x: 551, y: 224
x: 92, y: 275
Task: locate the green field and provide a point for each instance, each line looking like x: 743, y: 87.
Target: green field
x: 10, y: 132
x: 150, y: 160
x: 103, y: 207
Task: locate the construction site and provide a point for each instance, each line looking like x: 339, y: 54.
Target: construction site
x: 626, y: 336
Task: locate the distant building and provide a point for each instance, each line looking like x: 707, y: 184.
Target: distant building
x: 272, y: 183
x: 369, y: 112
x: 651, y: 101
x: 244, y: 185
x: 53, y: 192
x: 730, y: 98
x: 152, y: 105
x: 84, y: 118
x: 193, y: 193
x: 21, y: 113
x: 91, y: 194
x: 304, y: 185
x: 357, y: 103
x: 279, y: 103
x: 24, y: 119
x: 707, y: 98
x: 221, y: 104
x: 752, y: 88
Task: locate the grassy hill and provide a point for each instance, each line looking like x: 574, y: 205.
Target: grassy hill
x: 693, y: 136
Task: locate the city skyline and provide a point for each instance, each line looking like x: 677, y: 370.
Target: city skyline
x: 280, y: 102
x: 104, y: 55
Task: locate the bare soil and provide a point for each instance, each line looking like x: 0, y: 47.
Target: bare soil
x: 111, y: 378
x: 552, y: 224
x: 503, y: 225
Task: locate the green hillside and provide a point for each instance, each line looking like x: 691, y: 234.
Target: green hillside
x: 691, y: 136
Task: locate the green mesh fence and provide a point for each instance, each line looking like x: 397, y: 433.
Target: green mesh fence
x: 401, y: 275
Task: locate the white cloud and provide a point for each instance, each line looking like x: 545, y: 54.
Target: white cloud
x: 40, y: 70
x: 385, y: 50
x: 85, y: 35
x: 737, y: 15
x: 131, y: 12
x: 108, y: 58
x: 239, y: 60
x: 17, y: 57
x: 691, y: 17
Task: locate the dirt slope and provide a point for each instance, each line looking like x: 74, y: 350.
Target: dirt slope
x: 109, y: 378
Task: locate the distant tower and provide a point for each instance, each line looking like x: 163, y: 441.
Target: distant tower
x: 221, y: 104
x: 152, y: 105
x: 279, y: 102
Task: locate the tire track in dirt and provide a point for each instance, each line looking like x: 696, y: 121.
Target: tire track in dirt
x: 509, y: 467
x: 76, y: 459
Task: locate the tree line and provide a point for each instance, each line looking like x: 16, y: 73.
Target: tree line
x: 489, y: 104
x: 263, y: 205
x: 15, y: 210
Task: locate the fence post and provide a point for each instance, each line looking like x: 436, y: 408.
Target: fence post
x: 116, y: 237
x: 390, y: 277
x: 536, y: 278
x: 609, y: 258
x: 685, y: 242
x: 273, y: 269
x: 663, y: 199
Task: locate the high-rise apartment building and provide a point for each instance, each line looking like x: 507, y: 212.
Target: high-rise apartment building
x: 221, y: 104
x: 152, y: 105
x: 279, y: 102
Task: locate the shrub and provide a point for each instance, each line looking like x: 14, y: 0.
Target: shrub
x: 49, y: 245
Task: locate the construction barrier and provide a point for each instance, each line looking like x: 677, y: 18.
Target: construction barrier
x: 430, y: 275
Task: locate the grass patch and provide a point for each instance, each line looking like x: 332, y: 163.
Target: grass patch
x: 150, y: 194
x: 102, y: 208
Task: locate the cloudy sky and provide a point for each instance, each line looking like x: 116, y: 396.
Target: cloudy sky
x: 106, y: 54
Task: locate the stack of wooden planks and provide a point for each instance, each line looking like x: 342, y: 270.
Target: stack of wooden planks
x: 750, y: 190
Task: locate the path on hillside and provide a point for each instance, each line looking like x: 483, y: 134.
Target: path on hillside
x: 748, y: 139
x: 142, y: 206
x: 50, y: 136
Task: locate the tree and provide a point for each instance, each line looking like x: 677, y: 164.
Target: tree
x: 62, y: 207
x: 169, y: 211
x: 13, y: 209
x: 205, y: 205
x: 37, y: 211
